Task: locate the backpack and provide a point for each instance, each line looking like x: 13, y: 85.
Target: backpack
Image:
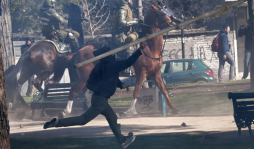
x: 215, y: 44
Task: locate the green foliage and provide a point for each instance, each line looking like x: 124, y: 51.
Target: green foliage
x: 25, y: 14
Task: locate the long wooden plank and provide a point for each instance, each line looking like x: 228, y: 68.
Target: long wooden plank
x: 161, y: 32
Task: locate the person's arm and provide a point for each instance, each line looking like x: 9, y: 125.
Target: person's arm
x: 121, y: 65
x: 122, y: 19
x: 115, y: 67
x: 22, y: 49
x: 121, y: 85
x: 58, y: 17
x: 225, y: 45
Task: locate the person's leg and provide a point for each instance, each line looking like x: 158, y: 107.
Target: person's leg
x: 230, y: 60
x: 221, y: 67
x: 72, y: 72
x: 246, y: 62
x: 98, y: 105
x: 72, y: 38
x: 129, y: 51
x: 30, y: 86
x: 112, y: 121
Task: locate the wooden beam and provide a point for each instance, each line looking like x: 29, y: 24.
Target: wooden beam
x: 209, y: 14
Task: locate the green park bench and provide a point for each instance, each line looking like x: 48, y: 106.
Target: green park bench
x: 243, y: 104
x: 54, y: 99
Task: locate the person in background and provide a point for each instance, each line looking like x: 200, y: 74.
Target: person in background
x: 125, y: 27
x: 51, y: 21
x: 103, y: 81
x: 245, y: 31
x: 224, y: 54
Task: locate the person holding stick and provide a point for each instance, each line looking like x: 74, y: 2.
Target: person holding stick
x: 103, y: 81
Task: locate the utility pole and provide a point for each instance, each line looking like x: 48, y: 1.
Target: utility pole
x: 251, y: 39
x: 182, y: 38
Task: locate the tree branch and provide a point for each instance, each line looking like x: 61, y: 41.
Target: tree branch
x: 103, y: 22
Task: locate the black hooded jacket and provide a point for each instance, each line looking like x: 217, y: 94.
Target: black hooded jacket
x: 223, y: 43
x: 247, y: 33
x: 105, y: 76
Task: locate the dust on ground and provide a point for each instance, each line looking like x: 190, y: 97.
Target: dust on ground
x: 214, y: 129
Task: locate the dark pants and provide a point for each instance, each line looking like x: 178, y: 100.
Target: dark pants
x: 99, y: 105
x: 30, y: 86
x: 246, y: 62
x: 230, y: 60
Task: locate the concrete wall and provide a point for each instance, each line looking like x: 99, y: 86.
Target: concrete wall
x: 197, y: 46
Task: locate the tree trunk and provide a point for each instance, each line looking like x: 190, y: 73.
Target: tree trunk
x: 6, y: 60
x: 140, y: 8
x: 4, y: 122
x: 5, y: 34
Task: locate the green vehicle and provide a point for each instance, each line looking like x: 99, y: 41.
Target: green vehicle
x: 182, y: 71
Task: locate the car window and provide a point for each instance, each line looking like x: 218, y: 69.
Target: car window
x: 181, y: 66
x: 167, y: 67
x: 163, y: 68
x: 189, y: 65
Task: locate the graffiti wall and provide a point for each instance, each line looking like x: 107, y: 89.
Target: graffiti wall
x: 197, y: 46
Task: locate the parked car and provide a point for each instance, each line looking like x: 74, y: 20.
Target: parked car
x: 182, y: 71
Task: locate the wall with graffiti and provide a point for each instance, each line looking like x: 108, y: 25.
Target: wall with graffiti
x: 197, y: 46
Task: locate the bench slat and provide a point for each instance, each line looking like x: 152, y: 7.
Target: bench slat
x: 57, y: 94
x: 240, y: 95
x: 59, y: 90
x: 243, y: 103
x: 59, y: 97
x: 246, y: 108
x: 243, y: 115
x: 62, y: 85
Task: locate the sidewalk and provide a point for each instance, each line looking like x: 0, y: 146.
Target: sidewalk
x: 139, y: 126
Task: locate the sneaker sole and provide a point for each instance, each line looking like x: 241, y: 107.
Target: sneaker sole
x: 46, y: 125
x: 134, y: 137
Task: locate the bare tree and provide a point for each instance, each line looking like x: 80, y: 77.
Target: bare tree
x: 188, y: 8
x: 4, y: 122
x: 7, y: 60
x: 97, y: 16
x: 5, y: 35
